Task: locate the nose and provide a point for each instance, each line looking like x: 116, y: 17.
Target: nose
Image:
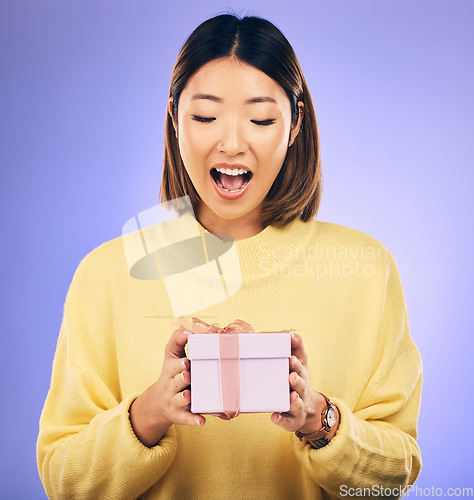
x: 233, y: 141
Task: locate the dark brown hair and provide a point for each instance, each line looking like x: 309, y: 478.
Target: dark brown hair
x: 296, y: 191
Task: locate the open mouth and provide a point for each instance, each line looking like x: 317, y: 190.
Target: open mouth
x: 231, y: 183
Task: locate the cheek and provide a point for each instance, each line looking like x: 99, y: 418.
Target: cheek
x: 194, y: 146
x: 273, y: 149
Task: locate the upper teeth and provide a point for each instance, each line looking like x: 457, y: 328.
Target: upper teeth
x: 229, y: 171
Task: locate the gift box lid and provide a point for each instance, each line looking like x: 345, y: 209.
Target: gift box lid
x: 251, y: 345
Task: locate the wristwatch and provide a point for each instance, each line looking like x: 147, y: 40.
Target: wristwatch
x: 319, y: 438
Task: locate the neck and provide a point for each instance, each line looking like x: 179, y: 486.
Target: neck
x: 238, y: 229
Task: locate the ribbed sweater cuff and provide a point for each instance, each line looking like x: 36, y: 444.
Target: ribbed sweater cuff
x: 168, y: 442
x: 140, y: 466
x: 361, y: 454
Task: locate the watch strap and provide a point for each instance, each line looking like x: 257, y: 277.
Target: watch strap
x: 319, y: 443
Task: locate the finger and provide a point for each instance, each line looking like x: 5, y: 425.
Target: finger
x: 291, y: 420
x: 183, y: 399
x: 284, y: 420
x: 176, y: 343
x: 173, y: 366
x: 296, y: 366
x: 180, y: 381
x: 185, y: 417
x: 296, y: 405
x: 297, y: 349
x: 182, y: 414
x: 298, y: 384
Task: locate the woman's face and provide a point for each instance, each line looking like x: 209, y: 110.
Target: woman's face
x: 233, y: 116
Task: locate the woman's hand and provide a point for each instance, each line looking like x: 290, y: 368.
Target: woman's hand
x: 306, y: 404
x: 167, y: 401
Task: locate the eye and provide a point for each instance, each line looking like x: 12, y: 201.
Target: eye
x: 263, y: 123
x: 202, y: 119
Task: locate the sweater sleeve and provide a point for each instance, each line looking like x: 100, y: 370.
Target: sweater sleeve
x: 375, y: 445
x: 86, y: 446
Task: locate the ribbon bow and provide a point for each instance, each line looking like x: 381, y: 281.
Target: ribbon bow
x: 197, y: 325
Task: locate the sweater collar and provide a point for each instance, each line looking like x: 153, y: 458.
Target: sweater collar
x: 257, y: 258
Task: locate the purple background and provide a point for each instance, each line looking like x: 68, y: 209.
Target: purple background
x: 84, y: 86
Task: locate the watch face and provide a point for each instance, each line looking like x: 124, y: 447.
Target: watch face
x: 331, y: 417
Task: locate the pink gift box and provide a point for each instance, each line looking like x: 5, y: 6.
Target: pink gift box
x: 262, y: 370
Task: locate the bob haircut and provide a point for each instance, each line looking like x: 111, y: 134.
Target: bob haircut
x: 296, y: 191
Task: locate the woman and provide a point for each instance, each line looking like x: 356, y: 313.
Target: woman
x: 242, y: 144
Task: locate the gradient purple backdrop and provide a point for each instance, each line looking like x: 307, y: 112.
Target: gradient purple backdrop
x: 84, y: 87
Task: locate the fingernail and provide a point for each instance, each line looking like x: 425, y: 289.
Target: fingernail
x: 279, y: 418
x: 198, y: 422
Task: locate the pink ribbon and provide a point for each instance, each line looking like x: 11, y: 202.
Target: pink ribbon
x: 229, y: 357
x: 229, y: 372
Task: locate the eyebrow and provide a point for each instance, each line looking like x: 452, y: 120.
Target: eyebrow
x: 253, y: 100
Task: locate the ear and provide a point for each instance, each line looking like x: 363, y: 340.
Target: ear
x: 296, y: 129
x: 170, y: 111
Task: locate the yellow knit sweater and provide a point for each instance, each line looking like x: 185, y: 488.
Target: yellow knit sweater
x: 339, y: 288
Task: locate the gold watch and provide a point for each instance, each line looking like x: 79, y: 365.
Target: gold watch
x: 319, y: 438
